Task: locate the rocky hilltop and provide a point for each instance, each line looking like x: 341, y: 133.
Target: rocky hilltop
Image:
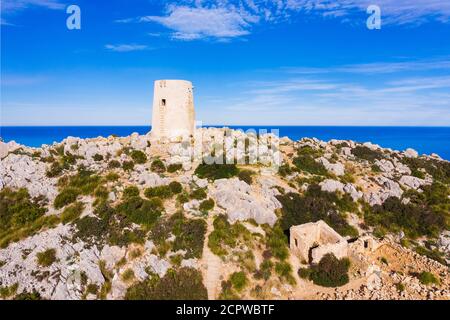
x: 130, y: 218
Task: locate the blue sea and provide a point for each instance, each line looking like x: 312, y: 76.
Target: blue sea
x: 423, y: 139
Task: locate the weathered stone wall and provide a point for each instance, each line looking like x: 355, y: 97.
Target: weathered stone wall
x: 319, y: 238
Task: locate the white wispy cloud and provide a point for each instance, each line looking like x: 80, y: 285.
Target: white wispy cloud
x: 126, y: 47
x: 378, y: 67
x: 226, y: 19
x: 9, y: 6
x: 189, y: 23
x: 327, y: 96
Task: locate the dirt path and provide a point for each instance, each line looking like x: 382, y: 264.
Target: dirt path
x: 211, y: 266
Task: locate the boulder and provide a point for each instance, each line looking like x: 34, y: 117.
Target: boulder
x: 335, y: 168
x: 241, y: 203
x: 330, y: 185
x: 412, y: 182
x: 410, y: 153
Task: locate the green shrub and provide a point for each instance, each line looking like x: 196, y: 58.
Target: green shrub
x: 140, y: 211
x: 128, y: 275
x: 183, y: 284
x: 182, y: 198
x: 112, y: 177
x: 130, y: 191
x: 17, y: 209
x: 163, y: 192
x: 190, y: 236
x: 305, y: 161
x: 433, y: 254
x: 216, y: 171
x: 198, y: 194
x: 284, y: 271
x: 277, y: 243
x: 304, y: 273
x: 114, y: 164
x: 246, y: 176
x: 158, y: 166
x: 32, y: 228
x: 128, y: 165
x: 365, y: 153
x: 55, y: 170
x: 28, y: 296
x: 72, y: 212
x: 226, y: 235
x: 400, y: 287
x: 46, y: 258
x: 425, y: 215
x: 138, y: 156
x: 175, y: 187
x: 108, y: 226
x: 265, y: 270
x: 439, y: 170
x: 97, y: 157
x: 427, y: 278
x: 330, y: 272
x: 285, y: 170
x: 8, y: 292
x: 317, y: 205
x: 92, y: 288
x: 174, y: 167
x: 239, y: 280
x: 206, y: 205
x: 66, y: 196
x: 227, y: 291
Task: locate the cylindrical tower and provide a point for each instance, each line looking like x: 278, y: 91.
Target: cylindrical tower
x: 173, y: 109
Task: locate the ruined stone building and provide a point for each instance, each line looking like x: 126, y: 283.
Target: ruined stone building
x: 173, y: 110
x: 311, y: 241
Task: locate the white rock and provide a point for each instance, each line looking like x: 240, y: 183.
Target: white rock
x: 330, y: 185
x: 335, y: 168
x: 241, y: 203
x: 411, y: 153
x: 412, y: 182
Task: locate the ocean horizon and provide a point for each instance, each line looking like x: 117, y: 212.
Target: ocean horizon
x: 425, y: 140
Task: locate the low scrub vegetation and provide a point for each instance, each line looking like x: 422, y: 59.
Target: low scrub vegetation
x: 427, y: 278
x: 216, y: 171
x: 181, y: 284
x: 158, y: 166
x: 329, y: 272
x: 138, y: 156
x: 72, y: 212
x: 426, y: 214
x: 206, y: 205
x: 305, y: 161
x: 46, y: 258
x: 316, y: 205
x: 110, y: 226
x: 239, y: 280
x: 85, y: 182
x: 226, y: 235
x: 189, y: 234
x: 246, y: 176
x: 365, y: 153
x: 174, y: 167
x: 21, y: 215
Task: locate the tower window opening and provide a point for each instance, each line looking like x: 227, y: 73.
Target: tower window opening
x: 163, y: 102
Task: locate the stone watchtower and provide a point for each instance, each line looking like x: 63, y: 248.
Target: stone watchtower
x: 173, y: 110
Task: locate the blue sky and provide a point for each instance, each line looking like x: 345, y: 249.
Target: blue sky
x: 279, y: 62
